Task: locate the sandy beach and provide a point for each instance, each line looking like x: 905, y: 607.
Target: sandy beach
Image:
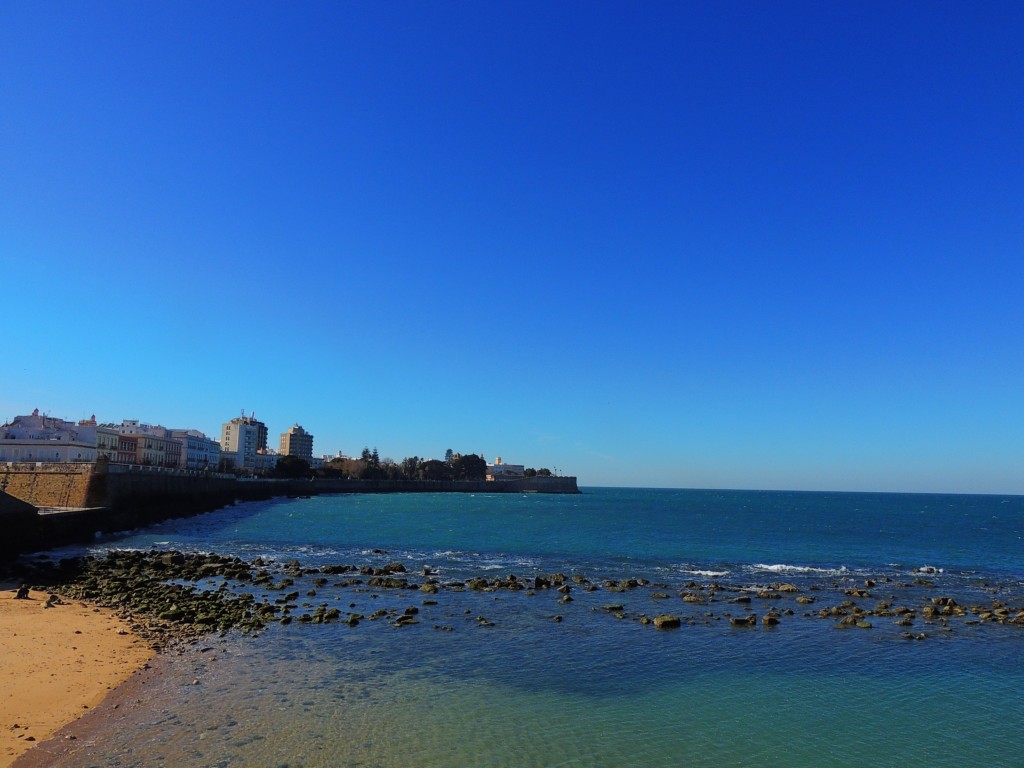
x: 58, y: 663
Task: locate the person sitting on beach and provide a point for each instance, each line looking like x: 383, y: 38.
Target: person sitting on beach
x: 22, y: 593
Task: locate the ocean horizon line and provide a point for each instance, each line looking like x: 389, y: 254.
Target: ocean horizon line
x: 584, y: 486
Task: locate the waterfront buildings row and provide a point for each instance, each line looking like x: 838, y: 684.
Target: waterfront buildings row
x: 243, y: 444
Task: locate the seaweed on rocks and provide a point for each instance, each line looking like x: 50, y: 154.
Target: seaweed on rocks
x: 171, y: 597
x: 156, y: 592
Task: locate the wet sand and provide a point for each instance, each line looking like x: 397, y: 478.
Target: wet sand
x: 56, y: 664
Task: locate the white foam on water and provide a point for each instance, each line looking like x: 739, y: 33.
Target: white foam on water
x: 784, y: 568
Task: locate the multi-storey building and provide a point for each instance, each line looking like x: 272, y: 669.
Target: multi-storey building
x: 144, y: 444
x: 499, y: 470
x: 266, y: 461
x: 244, y: 437
x: 297, y: 442
x: 107, y: 440
x: 198, y: 452
x: 39, y: 437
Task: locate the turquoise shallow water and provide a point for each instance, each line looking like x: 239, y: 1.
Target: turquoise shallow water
x: 594, y: 690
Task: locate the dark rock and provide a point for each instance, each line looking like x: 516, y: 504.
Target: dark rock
x: 784, y: 587
x: 388, y: 582
x: 335, y: 569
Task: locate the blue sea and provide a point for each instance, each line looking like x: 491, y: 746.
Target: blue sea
x: 524, y: 679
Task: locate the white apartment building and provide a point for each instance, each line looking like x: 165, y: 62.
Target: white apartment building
x: 38, y: 437
x: 198, y: 452
x: 266, y: 461
x: 499, y: 470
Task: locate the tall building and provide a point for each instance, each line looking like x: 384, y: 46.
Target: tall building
x: 243, y: 437
x: 297, y: 442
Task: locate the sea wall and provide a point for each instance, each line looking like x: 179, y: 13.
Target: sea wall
x: 91, y: 499
x: 49, y: 484
x: 123, y: 488
x: 18, y: 521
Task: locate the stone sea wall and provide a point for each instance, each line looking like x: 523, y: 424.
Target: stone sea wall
x: 50, y: 484
x: 17, y: 520
x: 97, y: 498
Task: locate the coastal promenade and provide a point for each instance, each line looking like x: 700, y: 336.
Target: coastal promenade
x: 50, y: 504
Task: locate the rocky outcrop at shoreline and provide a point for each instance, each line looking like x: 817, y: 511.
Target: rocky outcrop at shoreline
x: 147, y: 589
x: 171, y: 597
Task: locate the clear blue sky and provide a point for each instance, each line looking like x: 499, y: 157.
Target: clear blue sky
x: 747, y: 245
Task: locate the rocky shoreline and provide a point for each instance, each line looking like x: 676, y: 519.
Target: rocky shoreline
x: 172, y: 598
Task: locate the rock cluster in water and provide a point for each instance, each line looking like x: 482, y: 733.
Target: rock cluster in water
x: 171, y: 596
x: 149, y: 590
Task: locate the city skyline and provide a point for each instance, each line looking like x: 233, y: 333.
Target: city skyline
x: 668, y: 245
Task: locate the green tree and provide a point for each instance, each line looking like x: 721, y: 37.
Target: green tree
x: 371, y: 469
x: 409, y: 467
x: 433, y: 469
x: 291, y: 466
x: 469, y: 467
